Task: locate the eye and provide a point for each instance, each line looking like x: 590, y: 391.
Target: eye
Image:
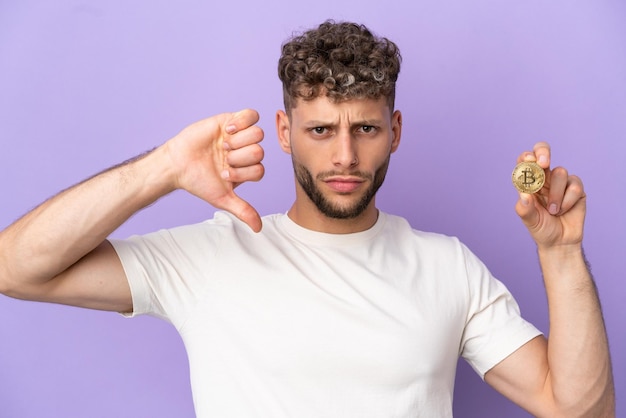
x: 367, y: 129
x: 319, y: 131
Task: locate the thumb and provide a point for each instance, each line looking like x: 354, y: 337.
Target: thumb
x: 243, y: 211
x: 527, y: 211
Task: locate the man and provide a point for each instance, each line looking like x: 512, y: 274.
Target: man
x: 335, y: 308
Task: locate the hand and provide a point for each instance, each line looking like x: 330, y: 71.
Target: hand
x: 555, y: 215
x: 213, y: 156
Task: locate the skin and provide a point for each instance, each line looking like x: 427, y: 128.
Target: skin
x: 342, y: 146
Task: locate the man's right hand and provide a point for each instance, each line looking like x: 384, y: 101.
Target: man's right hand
x: 213, y: 156
x: 59, y: 251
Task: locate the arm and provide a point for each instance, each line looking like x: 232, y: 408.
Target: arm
x: 569, y: 375
x: 59, y: 253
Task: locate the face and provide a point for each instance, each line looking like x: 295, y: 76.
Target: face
x: 340, y: 153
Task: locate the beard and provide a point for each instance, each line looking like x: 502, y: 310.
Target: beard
x: 332, y: 209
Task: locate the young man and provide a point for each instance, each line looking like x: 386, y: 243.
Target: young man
x: 335, y: 308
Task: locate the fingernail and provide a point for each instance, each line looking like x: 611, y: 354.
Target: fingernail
x: 230, y: 129
x: 543, y: 159
x: 225, y: 174
x: 226, y: 146
x: 553, y: 209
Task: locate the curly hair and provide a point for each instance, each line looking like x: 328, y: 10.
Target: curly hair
x: 340, y: 60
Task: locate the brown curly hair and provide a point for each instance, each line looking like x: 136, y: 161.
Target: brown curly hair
x: 340, y: 60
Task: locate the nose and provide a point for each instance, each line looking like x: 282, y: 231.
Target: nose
x: 345, y: 150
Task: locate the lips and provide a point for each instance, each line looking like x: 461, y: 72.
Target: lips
x: 343, y: 184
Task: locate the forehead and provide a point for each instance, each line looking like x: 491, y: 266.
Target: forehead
x: 324, y: 109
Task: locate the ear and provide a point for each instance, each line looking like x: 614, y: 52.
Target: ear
x: 283, y: 130
x: 396, y: 129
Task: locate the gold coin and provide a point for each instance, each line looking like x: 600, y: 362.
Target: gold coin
x: 528, y: 177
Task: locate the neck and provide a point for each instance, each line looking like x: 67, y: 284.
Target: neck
x: 309, y: 216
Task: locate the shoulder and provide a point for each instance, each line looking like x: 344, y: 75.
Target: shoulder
x: 206, y: 237
x: 400, y: 229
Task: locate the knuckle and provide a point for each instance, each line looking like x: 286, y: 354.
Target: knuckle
x: 576, y: 187
x: 257, y: 132
x: 258, y: 152
x: 258, y: 171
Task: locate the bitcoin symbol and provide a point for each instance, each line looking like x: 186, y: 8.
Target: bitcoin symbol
x: 528, y: 177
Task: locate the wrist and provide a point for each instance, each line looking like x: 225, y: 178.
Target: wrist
x: 155, y: 169
x: 561, y: 252
x: 563, y: 261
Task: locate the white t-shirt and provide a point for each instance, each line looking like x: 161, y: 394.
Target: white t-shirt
x: 295, y: 323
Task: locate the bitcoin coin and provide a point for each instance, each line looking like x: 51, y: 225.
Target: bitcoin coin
x: 528, y: 177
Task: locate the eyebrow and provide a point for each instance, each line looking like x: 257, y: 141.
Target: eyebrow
x: 363, y: 122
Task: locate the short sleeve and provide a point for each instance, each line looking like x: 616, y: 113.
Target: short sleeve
x: 133, y: 254
x: 166, y: 270
x: 495, y: 328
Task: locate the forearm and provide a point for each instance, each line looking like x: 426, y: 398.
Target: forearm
x: 578, y: 354
x: 55, y: 235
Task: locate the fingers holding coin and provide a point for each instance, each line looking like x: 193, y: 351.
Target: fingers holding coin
x: 529, y: 176
x: 555, y: 189
x: 542, y: 154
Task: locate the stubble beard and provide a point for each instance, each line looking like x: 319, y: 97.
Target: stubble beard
x: 330, y: 208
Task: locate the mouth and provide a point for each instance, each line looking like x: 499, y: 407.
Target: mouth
x: 344, y: 184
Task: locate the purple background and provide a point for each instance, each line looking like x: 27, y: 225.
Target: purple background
x: 85, y: 85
